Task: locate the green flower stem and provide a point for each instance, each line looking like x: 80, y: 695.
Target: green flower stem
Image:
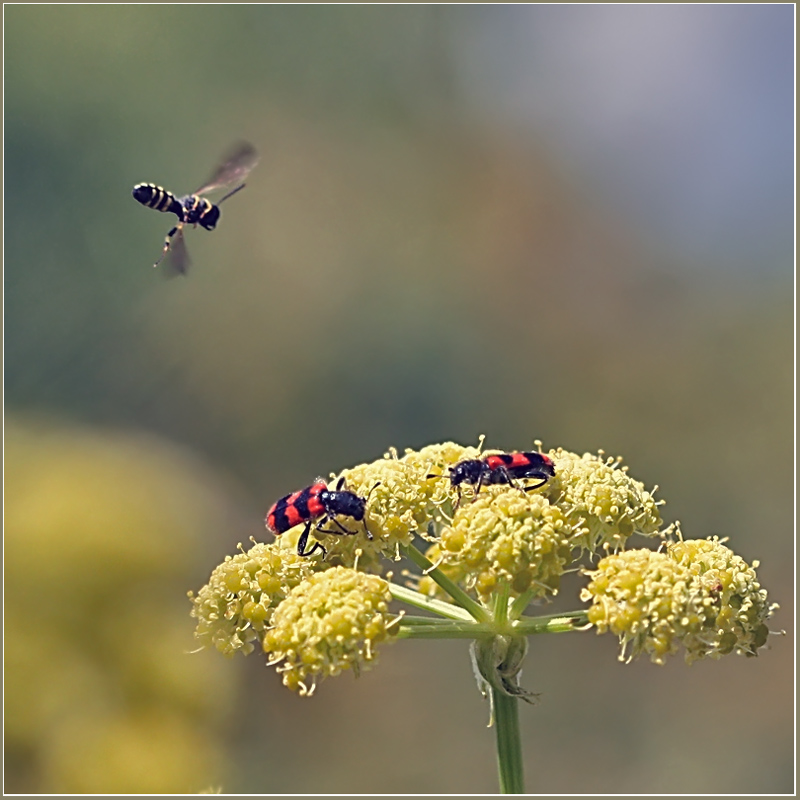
x: 446, y: 630
x: 476, y: 610
x: 520, y: 604
x: 408, y: 619
x: 501, y: 605
x: 555, y: 623
x: 432, y: 628
x: 406, y: 595
x: 509, y: 745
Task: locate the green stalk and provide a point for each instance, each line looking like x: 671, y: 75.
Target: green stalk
x: 509, y: 745
x: 501, y: 605
x: 448, y: 630
x: 448, y: 610
x: 520, y: 604
x: 553, y: 623
x: 411, y: 620
x: 476, y: 610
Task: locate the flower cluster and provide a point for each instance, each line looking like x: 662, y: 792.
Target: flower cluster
x: 697, y: 594
x: 237, y: 603
x: 527, y: 541
x: 492, y: 548
x: 328, y: 623
x: 603, y: 504
x: 505, y: 536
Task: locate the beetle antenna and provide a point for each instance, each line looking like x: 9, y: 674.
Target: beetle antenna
x: 366, y: 499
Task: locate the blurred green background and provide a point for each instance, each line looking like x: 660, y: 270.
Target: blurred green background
x: 466, y: 220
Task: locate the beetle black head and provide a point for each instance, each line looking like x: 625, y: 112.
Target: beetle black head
x: 469, y: 471
x: 346, y: 503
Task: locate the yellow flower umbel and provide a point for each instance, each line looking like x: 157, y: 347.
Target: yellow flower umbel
x: 741, y: 607
x: 697, y: 594
x: 330, y: 622
x: 238, y: 601
x: 492, y: 549
x: 507, y: 536
x: 604, y: 505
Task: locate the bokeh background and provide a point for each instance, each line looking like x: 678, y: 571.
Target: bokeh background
x: 571, y: 223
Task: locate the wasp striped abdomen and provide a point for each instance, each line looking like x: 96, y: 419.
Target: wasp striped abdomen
x: 152, y: 196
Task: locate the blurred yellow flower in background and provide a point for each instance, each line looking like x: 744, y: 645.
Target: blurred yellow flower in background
x: 102, y: 529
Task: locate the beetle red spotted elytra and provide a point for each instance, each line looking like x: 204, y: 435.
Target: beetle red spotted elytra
x: 317, y: 504
x: 504, y: 468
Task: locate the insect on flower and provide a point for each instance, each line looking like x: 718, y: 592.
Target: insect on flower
x: 504, y: 468
x: 193, y: 209
x: 317, y: 503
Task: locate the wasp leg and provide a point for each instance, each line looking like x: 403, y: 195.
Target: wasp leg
x: 168, y: 242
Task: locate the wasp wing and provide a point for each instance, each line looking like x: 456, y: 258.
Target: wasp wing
x: 177, y: 261
x: 235, y: 166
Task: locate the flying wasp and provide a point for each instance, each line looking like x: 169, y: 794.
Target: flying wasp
x: 193, y: 209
